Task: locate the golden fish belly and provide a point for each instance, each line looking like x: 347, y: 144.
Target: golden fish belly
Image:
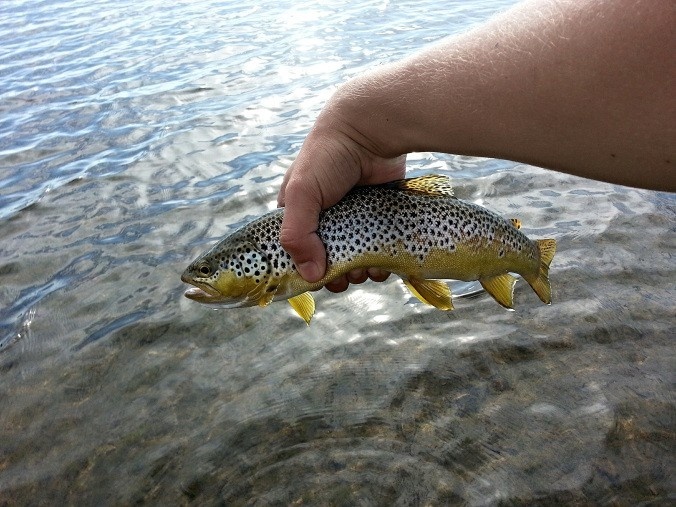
x: 465, y: 264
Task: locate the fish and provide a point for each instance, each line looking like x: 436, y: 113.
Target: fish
x: 415, y: 228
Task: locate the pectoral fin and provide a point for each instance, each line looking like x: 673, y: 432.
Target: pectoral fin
x: 266, y: 298
x: 515, y: 222
x: 501, y: 287
x: 431, y: 292
x: 304, y: 304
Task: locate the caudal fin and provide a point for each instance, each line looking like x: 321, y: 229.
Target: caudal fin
x: 540, y: 282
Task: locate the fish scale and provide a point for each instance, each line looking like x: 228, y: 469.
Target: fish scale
x: 389, y: 222
x: 415, y: 228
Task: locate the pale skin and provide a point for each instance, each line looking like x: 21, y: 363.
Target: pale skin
x: 585, y: 87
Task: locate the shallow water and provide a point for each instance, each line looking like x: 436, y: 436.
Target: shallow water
x: 135, y: 134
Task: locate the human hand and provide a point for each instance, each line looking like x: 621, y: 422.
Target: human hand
x: 334, y: 158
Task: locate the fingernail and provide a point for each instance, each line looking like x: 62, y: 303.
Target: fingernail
x: 309, y: 271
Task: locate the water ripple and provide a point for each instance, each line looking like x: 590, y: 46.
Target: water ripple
x: 136, y: 133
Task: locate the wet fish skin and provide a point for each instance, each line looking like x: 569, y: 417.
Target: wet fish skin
x: 414, y: 228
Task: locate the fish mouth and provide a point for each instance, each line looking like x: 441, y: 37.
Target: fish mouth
x: 198, y: 294
x: 206, y: 294
x: 214, y: 300
x: 202, y: 292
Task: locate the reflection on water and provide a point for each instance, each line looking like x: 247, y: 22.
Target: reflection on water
x: 135, y: 134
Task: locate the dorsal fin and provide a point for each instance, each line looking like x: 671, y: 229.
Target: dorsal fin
x: 432, y: 184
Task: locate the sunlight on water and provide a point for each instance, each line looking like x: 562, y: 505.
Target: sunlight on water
x: 134, y: 135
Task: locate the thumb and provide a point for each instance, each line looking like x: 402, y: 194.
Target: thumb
x: 298, y: 234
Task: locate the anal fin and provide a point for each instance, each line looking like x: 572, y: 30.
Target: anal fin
x: 501, y: 287
x: 431, y: 292
x: 304, y: 304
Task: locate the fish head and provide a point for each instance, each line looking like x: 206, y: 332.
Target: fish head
x: 232, y: 274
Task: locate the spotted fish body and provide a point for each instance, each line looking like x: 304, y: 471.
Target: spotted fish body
x: 414, y: 228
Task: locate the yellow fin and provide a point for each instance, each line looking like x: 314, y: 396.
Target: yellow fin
x: 432, y: 184
x: 547, y: 249
x: 266, y: 298
x: 304, y: 304
x: 540, y: 282
x: 501, y: 287
x: 516, y: 222
x: 431, y: 292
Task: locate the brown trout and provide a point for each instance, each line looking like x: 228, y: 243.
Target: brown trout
x: 414, y: 228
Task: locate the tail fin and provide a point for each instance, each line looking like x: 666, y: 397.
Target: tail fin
x: 540, y: 282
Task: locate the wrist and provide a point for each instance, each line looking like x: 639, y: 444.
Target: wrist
x: 370, y: 112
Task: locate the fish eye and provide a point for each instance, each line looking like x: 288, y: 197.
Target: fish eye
x: 204, y: 269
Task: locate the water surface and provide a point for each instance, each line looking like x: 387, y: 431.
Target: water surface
x: 135, y: 134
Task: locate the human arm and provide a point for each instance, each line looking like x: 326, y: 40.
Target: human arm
x: 580, y: 86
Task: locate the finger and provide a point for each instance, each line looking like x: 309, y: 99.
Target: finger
x: 378, y: 275
x: 338, y: 285
x: 342, y: 283
x: 298, y: 233
x: 357, y: 276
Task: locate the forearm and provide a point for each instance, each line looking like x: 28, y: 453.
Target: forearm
x: 566, y: 87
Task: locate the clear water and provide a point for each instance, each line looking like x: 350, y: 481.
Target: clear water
x: 133, y: 134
